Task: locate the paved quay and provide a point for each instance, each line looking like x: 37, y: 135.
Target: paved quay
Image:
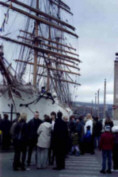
x: 82, y: 166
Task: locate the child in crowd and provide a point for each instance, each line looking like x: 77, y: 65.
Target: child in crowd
x: 106, y: 145
x: 75, y: 144
x: 88, y: 140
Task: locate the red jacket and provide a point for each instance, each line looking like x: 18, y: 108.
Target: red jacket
x: 106, y: 141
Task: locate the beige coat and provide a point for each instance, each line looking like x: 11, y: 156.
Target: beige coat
x: 44, y: 135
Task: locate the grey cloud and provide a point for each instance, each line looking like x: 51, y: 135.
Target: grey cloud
x: 96, y: 23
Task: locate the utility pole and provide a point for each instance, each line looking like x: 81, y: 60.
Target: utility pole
x: 105, y: 84
x: 98, y: 93
x: 115, y: 110
x: 92, y: 107
x: 95, y: 103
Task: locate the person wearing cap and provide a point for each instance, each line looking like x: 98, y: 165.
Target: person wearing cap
x: 20, y: 143
x: 109, y: 122
x: 61, y: 141
x: 106, y: 145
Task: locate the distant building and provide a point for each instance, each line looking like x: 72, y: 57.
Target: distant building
x: 82, y: 108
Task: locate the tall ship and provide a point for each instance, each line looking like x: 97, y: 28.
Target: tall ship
x: 39, y: 63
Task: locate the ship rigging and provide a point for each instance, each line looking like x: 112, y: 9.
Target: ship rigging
x: 43, y: 55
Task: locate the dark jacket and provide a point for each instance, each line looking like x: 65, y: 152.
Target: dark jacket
x: 33, y: 126
x: 75, y: 138
x: 60, y: 136
x: 72, y: 126
x: 80, y: 130
x: 5, y: 127
x: 106, y: 141
x: 97, y: 128
x: 21, y: 131
x: 110, y: 123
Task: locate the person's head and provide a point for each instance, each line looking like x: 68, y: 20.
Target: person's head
x: 59, y: 115
x: 88, y: 128
x: 65, y: 119
x: 89, y: 116
x: 108, y: 119
x: 72, y: 118
x: 107, y: 128
x: 17, y: 115
x: 96, y: 118
x: 47, y: 118
x: 36, y: 115
x: 23, y: 117
x: 53, y: 115
x: 81, y: 118
x: 6, y: 116
x: 43, y: 89
x: 77, y: 120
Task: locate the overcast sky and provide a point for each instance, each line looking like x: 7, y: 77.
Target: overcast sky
x: 97, y: 26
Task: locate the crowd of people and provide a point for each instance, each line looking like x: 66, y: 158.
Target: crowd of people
x: 55, y: 137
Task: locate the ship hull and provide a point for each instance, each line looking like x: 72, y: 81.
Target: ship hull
x: 25, y: 105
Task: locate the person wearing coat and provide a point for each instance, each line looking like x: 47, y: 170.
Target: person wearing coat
x: 89, y: 123
x: 12, y: 129
x: 61, y: 141
x: 20, y: 135
x: 97, y: 130
x: 109, y: 122
x: 43, y: 144
x: 75, y: 144
x: 71, y: 128
x: 51, y: 149
x: 106, y: 145
x: 80, y: 130
x: 5, y: 127
x: 33, y: 125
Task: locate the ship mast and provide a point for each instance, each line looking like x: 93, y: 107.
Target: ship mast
x: 57, y: 57
x: 59, y: 85
x: 36, y: 44
x: 57, y: 40
x: 48, y: 70
x: 49, y: 62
